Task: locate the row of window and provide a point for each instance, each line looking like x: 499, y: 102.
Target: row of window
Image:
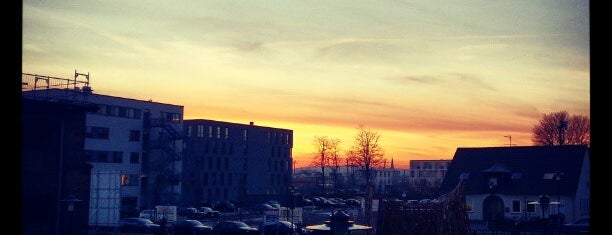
x: 516, y: 207
x: 209, y: 132
x: 431, y: 165
x: 278, y: 165
x: 96, y: 132
x: 118, y: 111
x: 215, y: 179
x: 219, y: 132
x: 110, y: 156
x: 222, y: 148
x: 279, y: 152
x: 201, y: 162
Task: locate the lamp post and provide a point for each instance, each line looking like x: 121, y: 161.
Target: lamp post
x: 70, y: 203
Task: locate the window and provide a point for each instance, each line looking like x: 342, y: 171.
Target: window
x: 468, y: 204
x: 516, y: 176
x: 129, y: 112
x: 244, y: 135
x: 226, y: 163
x: 117, y: 157
x: 176, y: 117
x: 134, y: 157
x: 221, y: 179
x: 516, y: 206
x: 584, y: 206
x: 218, y: 163
x: 226, y: 133
x: 492, y: 182
x: 134, y: 135
x: 95, y: 132
x: 286, y: 139
x: 205, y: 179
x: 218, y: 132
x: 200, y: 131
x: 129, y: 180
x: 209, y: 131
x: 530, y: 208
x: 229, y: 179
x: 101, y: 109
x: 189, y: 131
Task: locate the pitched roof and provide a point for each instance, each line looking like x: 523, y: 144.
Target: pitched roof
x: 530, y: 162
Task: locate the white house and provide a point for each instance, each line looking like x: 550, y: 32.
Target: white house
x: 506, y: 182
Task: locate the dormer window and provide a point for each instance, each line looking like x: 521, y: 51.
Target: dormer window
x: 492, y: 182
x: 516, y: 176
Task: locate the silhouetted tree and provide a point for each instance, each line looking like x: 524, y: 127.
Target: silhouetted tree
x: 335, y: 159
x: 366, y: 153
x: 325, y: 148
x: 559, y: 128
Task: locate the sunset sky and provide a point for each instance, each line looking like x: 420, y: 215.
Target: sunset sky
x: 428, y: 76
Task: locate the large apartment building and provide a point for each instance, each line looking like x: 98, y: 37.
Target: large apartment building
x: 235, y: 162
x: 134, y: 146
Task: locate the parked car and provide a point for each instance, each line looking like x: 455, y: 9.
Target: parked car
x: 280, y: 228
x: 138, y: 225
x: 190, y: 213
x: 580, y: 225
x: 260, y: 208
x: 273, y: 203
x: 233, y: 228
x: 225, y: 206
x: 209, y: 212
x: 189, y: 227
x: 147, y: 214
x: 353, y: 202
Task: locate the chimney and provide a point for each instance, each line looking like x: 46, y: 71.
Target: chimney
x: 251, y: 123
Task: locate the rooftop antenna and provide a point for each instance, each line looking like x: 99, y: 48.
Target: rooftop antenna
x: 510, y: 139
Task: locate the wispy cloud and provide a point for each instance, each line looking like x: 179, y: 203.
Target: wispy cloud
x: 454, y: 80
x: 507, y: 36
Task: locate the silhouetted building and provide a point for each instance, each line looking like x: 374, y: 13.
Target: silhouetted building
x: 134, y: 146
x: 235, y: 162
x: 54, y: 167
x: 502, y: 181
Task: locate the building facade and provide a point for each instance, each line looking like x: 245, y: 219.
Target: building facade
x: 235, y: 162
x: 508, y: 182
x: 425, y: 173
x: 134, y: 147
x: 54, y: 170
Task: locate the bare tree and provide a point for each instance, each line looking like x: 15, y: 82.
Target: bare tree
x: 323, y: 144
x: 366, y: 153
x: 334, y: 159
x: 559, y: 128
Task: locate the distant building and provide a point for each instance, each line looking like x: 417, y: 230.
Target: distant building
x: 54, y: 167
x: 504, y: 182
x: 425, y: 173
x: 235, y: 162
x: 134, y: 146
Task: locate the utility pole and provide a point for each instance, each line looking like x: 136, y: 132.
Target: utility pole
x: 510, y: 139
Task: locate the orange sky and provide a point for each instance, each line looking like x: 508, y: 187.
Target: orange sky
x: 428, y: 76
